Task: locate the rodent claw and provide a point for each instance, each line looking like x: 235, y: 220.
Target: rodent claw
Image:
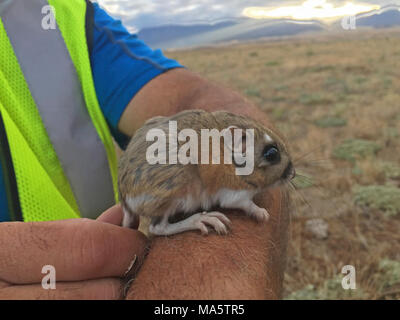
x: 214, y: 219
x: 264, y: 217
x: 221, y: 216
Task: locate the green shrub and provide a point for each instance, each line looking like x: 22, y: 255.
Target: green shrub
x: 321, y: 68
x: 352, y: 149
x: 391, y: 132
x: 391, y: 170
x: 326, y: 122
x: 279, y: 113
x: 272, y: 63
x: 254, y: 92
x: 391, y: 272
x: 281, y: 87
x: 314, y: 99
x: 385, y: 198
x: 309, y: 53
x: 331, y: 289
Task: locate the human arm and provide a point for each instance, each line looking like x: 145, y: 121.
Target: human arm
x: 180, y: 89
x: 246, y: 264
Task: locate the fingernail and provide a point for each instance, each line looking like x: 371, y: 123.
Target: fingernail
x: 131, y: 265
x: 127, y: 286
x: 129, y: 276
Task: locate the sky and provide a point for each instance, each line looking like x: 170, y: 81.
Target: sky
x: 137, y: 14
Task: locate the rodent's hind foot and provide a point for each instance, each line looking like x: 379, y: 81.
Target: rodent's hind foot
x: 198, y: 221
x: 215, y: 219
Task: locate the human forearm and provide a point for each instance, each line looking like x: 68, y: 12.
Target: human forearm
x: 246, y: 264
x: 179, y: 90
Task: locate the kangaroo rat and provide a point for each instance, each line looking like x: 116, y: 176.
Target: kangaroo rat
x: 161, y: 191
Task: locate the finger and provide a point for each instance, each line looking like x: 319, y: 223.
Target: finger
x: 78, y: 249
x: 112, y: 215
x: 101, y: 289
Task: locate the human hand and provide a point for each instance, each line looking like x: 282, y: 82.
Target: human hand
x: 89, y: 256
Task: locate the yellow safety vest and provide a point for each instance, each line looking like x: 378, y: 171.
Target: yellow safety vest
x: 57, y: 149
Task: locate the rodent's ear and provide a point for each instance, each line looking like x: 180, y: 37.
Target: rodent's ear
x: 228, y: 135
x: 235, y: 139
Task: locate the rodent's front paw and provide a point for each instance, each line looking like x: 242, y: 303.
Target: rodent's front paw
x: 261, y: 214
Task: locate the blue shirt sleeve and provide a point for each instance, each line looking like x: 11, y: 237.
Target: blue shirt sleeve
x: 3, y: 199
x: 121, y: 65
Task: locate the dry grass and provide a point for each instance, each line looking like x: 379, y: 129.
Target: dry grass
x: 320, y: 93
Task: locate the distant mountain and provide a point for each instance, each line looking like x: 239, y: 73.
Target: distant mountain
x: 385, y: 19
x: 158, y: 35
x: 174, y: 36
x: 277, y: 29
x: 242, y: 29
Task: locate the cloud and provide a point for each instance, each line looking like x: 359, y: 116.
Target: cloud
x: 138, y: 14
x: 310, y: 9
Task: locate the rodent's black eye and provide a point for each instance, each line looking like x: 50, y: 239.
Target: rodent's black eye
x: 271, y: 154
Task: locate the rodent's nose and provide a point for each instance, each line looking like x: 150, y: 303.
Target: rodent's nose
x: 290, y: 172
x: 293, y: 174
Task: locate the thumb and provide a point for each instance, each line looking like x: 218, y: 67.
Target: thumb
x: 112, y: 215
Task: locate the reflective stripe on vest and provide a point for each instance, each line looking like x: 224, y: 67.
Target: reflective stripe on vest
x: 52, y: 79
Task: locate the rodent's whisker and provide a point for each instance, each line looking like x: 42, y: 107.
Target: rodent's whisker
x: 303, y: 178
x: 315, y: 183
x: 299, y: 196
x: 299, y: 175
x: 293, y: 204
x: 308, y: 153
x: 323, y: 163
